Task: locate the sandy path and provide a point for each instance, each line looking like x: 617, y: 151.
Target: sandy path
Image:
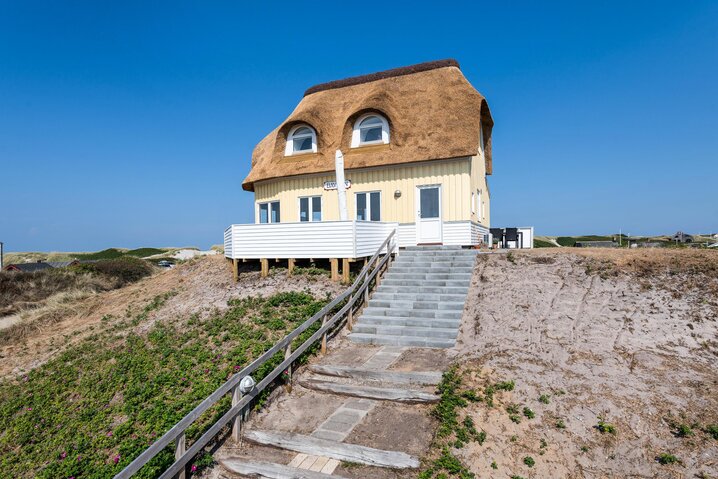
x: 633, y: 353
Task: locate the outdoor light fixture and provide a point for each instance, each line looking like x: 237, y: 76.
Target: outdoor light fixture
x: 397, y: 194
x: 246, y: 384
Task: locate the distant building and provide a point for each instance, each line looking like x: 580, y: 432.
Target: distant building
x: 682, y: 237
x: 39, y: 266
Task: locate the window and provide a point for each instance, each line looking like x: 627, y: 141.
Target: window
x: 310, y: 208
x: 369, y: 206
x: 370, y: 129
x: 269, y: 212
x: 301, y: 139
x: 473, y: 203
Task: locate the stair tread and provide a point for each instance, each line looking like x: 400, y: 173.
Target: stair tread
x: 268, y: 470
x: 333, y: 449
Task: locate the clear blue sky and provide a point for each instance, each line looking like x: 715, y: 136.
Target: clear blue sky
x: 132, y: 123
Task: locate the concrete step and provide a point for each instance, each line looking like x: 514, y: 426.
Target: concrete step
x: 458, y: 276
x: 381, y: 330
x: 385, y: 288
x: 396, y: 304
x: 425, y: 282
x: 410, y: 341
x: 429, y: 263
x: 413, y: 313
x: 390, y: 296
x: 446, y: 323
x: 430, y: 270
x: 466, y: 253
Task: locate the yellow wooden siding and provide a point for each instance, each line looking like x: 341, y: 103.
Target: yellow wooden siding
x: 453, y: 175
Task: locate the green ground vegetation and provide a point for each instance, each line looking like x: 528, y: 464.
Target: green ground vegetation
x: 92, y: 409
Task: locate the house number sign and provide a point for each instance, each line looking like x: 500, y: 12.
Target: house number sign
x: 332, y: 185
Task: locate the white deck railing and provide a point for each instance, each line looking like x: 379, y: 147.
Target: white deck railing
x: 325, y: 239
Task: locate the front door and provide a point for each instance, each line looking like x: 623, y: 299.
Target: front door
x: 428, y: 222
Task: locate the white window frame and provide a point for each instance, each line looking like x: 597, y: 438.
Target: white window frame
x: 311, y: 209
x: 368, y: 205
x: 356, y: 132
x: 289, y: 148
x: 269, y: 211
x: 473, y: 203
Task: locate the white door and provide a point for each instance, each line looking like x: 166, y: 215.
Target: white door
x: 428, y: 215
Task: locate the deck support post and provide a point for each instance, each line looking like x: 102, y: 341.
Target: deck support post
x: 237, y: 422
x: 334, y: 262
x: 290, y: 266
x: 235, y: 270
x: 324, y: 336
x: 345, y: 271
x: 180, y: 447
x: 265, y: 267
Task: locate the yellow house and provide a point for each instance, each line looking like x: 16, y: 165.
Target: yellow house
x: 413, y: 145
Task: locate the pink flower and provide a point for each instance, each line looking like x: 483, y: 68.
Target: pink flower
x: 79, y: 457
x: 193, y: 468
x: 63, y: 455
x: 117, y: 459
x: 109, y: 433
x: 29, y: 409
x: 237, y: 368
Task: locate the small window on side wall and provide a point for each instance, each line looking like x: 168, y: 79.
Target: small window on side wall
x: 369, y: 206
x: 371, y: 129
x: 301, y: 139
x: 310, y: 208
x: 269, y: 212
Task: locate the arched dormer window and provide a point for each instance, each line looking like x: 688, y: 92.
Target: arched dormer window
x: 301, y: 139
x: 370, y: 129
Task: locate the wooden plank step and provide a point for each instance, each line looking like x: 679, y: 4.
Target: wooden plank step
x: 428, y: 378
x: 383, y: 394
x: 268, y: 470
x: 333, y: 449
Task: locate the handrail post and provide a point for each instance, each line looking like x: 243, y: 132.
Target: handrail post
x: 350, y: 313
x: 324, y: 336
x: 237, y: 423
x: 287, y: 353
x: 366, y: 289
x: 180, y: 448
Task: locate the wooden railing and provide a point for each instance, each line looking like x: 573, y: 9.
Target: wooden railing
x: 352, y: 298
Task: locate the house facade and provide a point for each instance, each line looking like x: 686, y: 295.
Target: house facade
x: 413, y: 145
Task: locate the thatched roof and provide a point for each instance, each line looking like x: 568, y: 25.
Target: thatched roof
x: 433, y: 113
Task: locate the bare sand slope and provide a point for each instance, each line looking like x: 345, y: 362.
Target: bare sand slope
x: 197, y: 287
x: 630, y: 339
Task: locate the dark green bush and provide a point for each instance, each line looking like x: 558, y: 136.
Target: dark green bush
x: 566, y: 241
x: 123, y: 270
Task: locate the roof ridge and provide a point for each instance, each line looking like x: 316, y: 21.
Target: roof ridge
x: 394, y: 72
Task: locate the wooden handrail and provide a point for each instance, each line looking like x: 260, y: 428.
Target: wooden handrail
x: 355, y: 292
